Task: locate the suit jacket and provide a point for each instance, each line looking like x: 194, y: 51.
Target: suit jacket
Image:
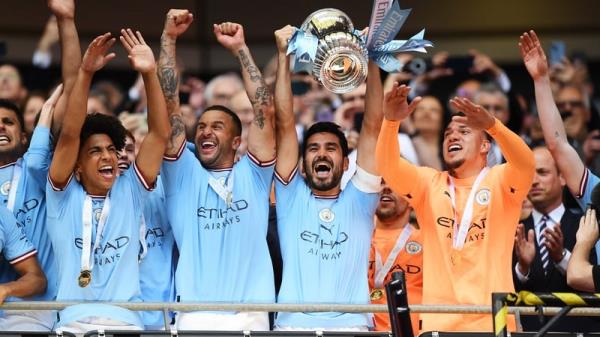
x: 554, y: 281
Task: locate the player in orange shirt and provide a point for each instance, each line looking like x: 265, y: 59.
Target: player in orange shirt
x: 468, y: 214
x: 396, y: 246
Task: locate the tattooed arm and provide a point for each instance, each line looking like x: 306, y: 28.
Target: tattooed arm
x: 176, y: 23
x: 261, y: 135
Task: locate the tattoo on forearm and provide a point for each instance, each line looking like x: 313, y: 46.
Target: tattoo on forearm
x: 251, y: 68
x: 167, y: 74
x: 556, y: 134
x: 177, y: 129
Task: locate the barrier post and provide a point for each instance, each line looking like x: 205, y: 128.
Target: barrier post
x: 499, y: 314
x: 397, y: 300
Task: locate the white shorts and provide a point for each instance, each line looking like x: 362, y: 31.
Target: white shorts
x: 357, y: 328
x: 253, y: 321
x: 79, y: 328
x: 19, y: 320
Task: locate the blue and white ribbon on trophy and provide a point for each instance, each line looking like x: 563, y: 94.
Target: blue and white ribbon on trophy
x: 386, y: 21
x: 304, y: 46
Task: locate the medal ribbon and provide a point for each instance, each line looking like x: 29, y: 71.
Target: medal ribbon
x: 381, y: 269
x: 87, y: 249
x: 143, y: 246
x: 14, y: 185
x: 225, y: 191
x: 460, y: 233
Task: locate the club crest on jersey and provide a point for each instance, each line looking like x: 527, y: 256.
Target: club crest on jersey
x: 413, y: 247
x: 5, y: 188
x: 326, y: 215
x: 483, y: 196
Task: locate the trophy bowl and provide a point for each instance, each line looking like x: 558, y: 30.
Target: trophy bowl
x: 341, y: 60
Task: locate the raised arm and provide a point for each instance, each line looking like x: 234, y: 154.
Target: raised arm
x: 387, y: 153
x: 32, y: 280
x: 153, y: 147
x: 569, y: 163
x: 176, y: 23
x: 64, y: 10
x: 67, y: 148
x: 287, y: 139
x: 373, y: 116
x: 261, y: 136
x: 520, y: 164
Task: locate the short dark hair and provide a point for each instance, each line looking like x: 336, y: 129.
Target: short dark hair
x: 97, y: 123
x: 462, y: 114
x: 9, y: 105
x: 326, y: 127
x: 237, y: 123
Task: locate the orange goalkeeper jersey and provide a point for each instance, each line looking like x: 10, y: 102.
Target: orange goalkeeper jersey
x: 409, y: 260
x: 483, y: 266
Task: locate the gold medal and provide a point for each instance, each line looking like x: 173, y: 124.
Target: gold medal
x: 376, y: 294
x: 85, y: 277
x: 455, y: 257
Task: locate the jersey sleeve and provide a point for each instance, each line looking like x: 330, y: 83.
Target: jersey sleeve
x: 140, y: 188
x: 588, y: 182
x: 517, y: 174
x: 364, y: 188
x: 262, y: 172
x: 399, y: 174
x: 175, y: 170
x: 288, y: 188
x: 16, y: 246
x: 37, y: 158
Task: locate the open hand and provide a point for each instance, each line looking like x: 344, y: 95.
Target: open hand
x: 524, y: 248
x: 475, y: 116
x: 94, y: 58
x: 588, y: 228
x: 140, y: 55
x: 177, y: 22
x: 230, y: 35
x: 533, y: 55
x: 395, y: 104
x: 282, y: 38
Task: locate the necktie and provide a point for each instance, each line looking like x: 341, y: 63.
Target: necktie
x: 543, y: 250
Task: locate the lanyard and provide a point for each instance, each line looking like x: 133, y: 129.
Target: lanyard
x: 460, y: 232
x: 223, y: 188
x: 86, y: 251
x: 143, y: 246
x: 14, y: 185
x: 381, y: 270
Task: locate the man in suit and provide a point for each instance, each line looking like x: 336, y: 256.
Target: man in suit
x: 544, y: 242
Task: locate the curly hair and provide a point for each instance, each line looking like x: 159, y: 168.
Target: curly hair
x: 96, y: 123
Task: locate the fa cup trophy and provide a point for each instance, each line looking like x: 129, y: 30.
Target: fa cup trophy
x: 340, y: 62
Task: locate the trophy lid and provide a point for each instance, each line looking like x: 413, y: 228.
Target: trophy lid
x: 327, y: 20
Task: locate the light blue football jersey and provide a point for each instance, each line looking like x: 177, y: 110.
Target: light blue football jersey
x: 325, y: 243
x: 584, y: 197
x: 115, y: 276
x: 14, y: 244
x: 157, y: 268
x: 223, y: 253
x: 30, y: 205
